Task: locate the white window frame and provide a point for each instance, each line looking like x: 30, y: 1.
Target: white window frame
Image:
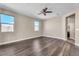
x: 36, y: 25
x: 6, y: 24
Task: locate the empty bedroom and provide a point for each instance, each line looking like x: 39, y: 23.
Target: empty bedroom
x: 39, y: 29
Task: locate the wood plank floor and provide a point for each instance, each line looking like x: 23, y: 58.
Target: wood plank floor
x: 42, y: 46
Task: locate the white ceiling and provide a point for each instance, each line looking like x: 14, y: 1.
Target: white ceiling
x: 32, y: 9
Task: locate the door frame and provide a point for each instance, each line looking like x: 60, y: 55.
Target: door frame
x: 66, y: 22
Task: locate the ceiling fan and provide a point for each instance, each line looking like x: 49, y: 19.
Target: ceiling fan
x: 45, y: 11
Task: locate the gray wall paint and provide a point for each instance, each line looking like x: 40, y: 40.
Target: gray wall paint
x: 53, y: 28
x: 23, y: 28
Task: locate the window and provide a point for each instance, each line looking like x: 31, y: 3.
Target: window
x: 36, y: 25
x: 7, y: 23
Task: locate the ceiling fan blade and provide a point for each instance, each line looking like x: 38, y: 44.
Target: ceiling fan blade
x: 39, y: 13
x: 44, y: 14
x: 48, y: 11
x: 44, y: 10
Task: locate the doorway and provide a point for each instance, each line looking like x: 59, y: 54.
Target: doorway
x: 70, y: 28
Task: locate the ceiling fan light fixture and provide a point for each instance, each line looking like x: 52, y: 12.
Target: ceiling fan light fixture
x: 45, y: 11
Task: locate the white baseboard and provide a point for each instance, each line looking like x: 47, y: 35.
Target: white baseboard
x: 76, y: 44
x: 4, y: 43
x: 55, y: 37
x: 61, y: 39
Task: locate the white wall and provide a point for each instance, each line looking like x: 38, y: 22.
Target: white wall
x: 77, y: 28
x: 53, y: 28
x: 23, y: 29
